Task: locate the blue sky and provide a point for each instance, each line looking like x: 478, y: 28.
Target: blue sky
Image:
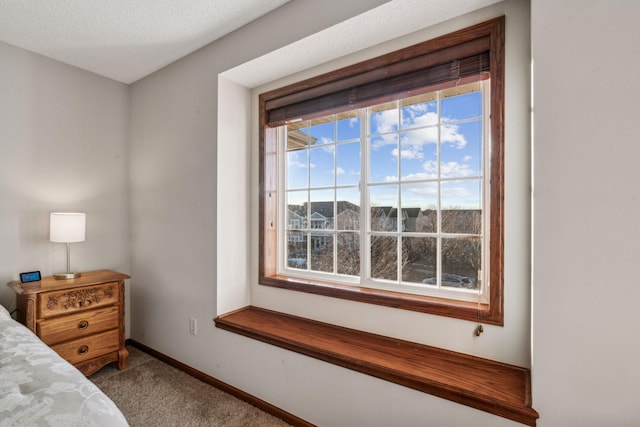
x: 402, y: 142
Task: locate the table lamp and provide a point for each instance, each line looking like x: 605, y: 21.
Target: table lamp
x: 67, y: 228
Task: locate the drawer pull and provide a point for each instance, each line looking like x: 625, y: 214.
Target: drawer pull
x: 83, y: 349
x: 83, y: 325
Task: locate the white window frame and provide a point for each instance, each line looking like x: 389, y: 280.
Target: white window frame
x: 365, y: 280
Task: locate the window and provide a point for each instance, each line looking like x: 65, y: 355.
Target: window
x: 423, y: 160
x: 383, y: 181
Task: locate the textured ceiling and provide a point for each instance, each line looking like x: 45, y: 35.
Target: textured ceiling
x: 127, y: 40
x: 123, y: 39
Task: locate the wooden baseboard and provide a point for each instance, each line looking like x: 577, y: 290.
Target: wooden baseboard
x: 236, y: 392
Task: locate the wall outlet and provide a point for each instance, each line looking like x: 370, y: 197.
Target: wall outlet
x: 193, y: 326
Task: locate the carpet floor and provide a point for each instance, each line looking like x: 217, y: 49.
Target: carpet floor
x: 151, y: 393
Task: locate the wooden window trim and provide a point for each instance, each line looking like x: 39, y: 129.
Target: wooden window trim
x: 487, y: 385
x: 472, y: 40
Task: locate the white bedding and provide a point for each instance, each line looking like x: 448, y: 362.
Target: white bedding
x: 39, y: 388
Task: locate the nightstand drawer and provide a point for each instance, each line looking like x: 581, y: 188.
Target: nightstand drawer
x: 89, y: 347
x: 53, y: 331
x: 70, y: 300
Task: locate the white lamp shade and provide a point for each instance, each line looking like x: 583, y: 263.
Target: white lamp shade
x: 67, y: 227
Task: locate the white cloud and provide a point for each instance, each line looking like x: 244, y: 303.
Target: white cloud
x: 297, y: 164
x: 457, y: 191
x: 417, y: 115
x: 421, y: 190
x: 420, y: 137
x: 339, y: 171
x: 328, y: 148
x: 447, y: 169
x: 324, y: 140
x: 410, y: 177
x: 453, y: 169
x: 430, y: 167
x: 449, y: 135
x: 466, y: 158
x: 410, y: 154
x: 292, y: 161
x: 387, y: 121
x: 383, y: 140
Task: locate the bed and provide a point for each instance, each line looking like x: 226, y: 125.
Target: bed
x: 40, y: 388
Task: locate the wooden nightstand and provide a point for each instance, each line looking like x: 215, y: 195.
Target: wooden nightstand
x: 82, y: 319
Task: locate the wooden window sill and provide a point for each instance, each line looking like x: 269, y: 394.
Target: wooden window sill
x: 466, y: 310
x: 490, y: 386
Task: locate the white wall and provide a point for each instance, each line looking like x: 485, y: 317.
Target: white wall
x: 63, y: 147
x: 586, y: 344
x: 175, y: 178
x: 191, y: 202
x: 234, y: 177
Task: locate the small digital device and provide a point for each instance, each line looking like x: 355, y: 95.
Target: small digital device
x: 30, y: 276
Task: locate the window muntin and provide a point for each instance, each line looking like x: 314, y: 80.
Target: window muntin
x: 420, y: 172
x: 446, y: 62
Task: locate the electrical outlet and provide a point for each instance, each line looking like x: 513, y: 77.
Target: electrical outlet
x: 193, y: 326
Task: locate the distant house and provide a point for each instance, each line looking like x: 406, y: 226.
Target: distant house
x: 297, y: 140
x: 410, y: 219
x: 321, y: 217
x: 348, y: 219
x: 383, y: 218
x: 318, y: 222
x: 295, y: 222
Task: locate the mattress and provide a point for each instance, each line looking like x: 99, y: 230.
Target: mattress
x: 40, y: 388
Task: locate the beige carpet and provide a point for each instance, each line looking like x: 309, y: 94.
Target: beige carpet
x: 151, y: 393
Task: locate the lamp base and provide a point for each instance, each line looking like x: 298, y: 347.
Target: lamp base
x: 66, y: 275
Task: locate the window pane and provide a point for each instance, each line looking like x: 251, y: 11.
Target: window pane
x: 348, y: 163
x: 383, y: 161
x: 383, y: 118
x: 321, y: 251
x: 321, y: 165
x: 461, y: 150
x: 383, y: 200
x: 419, y: 203
x: 297, y: 169
x: 297, y: 209
x: 348, y: 216
x: 297, y: 137
x: 461, y: 260
x: 348, y: 125
x: 461, y: 206
x: 384, y: 257
x: 349, y: 254
x: 413, y: 153
x: 321, y: 215
x: 419, y: 260
x: 297, y: 250
x: 419, y: 111
x: 461, y: 107
x: 418, y: 154
x: 464, y: 221
x: 322, y: 132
